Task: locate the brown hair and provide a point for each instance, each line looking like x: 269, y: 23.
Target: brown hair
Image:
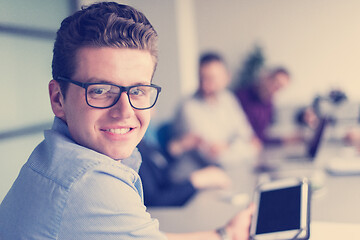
x: 210, y: 57
x: 278, y: 70
x: 105, y: 24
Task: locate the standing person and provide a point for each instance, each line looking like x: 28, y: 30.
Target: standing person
x: 81, y: 182
x: 210, y: 124
x: 257, y: 102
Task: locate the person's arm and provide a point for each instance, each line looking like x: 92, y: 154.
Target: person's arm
x: 237, y: 229
x: 158, y: 188
x: 210, y: 177
x: 184, y: 144
x: 160, y: 191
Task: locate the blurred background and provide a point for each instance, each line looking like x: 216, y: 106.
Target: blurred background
x: 317, y: 40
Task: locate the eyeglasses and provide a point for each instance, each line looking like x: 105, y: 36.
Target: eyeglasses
x: 106, y: 95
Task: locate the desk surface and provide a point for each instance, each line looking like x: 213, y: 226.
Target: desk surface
x: 336, y: 199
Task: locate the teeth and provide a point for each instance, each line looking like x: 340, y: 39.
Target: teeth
x: 119, y: 130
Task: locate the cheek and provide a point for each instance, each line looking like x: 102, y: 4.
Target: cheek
x: 208, y: 85
x: 144, y: 118
x: 79, y: 116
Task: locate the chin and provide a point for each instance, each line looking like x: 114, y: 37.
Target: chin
x: 119, y: 156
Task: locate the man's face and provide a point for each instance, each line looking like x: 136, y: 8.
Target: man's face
x: 278, y: 82
x: 114, y: 131
x: 214, y: 77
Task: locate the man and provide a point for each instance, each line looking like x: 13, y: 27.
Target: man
x: 211, y: 122
x: 81, y: 182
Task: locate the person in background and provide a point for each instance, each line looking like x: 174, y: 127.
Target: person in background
x: 307, y: 117
x: 352, y: 136
x: 81, y: 182
x: 257, y: 103
x: 210, y: 127
x: 160, y: 190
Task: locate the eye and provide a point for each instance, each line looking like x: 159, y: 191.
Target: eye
x: 98, y: 91
x: 138, y: 91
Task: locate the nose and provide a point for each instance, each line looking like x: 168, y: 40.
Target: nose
x: 122, y: 109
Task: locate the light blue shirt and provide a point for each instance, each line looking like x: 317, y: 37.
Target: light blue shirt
x: 66, y: 191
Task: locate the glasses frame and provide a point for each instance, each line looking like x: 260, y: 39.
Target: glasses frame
x: 122, y: 89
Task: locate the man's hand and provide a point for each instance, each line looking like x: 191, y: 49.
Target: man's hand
x: 239, y: 227
x: 210, y: 177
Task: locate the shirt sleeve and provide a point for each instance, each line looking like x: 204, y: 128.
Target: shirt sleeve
x: 105, y: 204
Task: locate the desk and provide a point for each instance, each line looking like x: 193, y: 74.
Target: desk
x: 336, y: 201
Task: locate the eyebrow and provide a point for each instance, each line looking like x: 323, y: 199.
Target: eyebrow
x: 97, y: 80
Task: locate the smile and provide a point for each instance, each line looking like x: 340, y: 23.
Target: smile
x: 118, y: 130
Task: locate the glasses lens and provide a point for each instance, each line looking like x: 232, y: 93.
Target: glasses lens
x: 102, y: 95
x: 142, y: 97
x: 106, y: 95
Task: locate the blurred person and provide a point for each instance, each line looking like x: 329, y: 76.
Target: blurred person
x: 210, y: 127
x: 308, y: 117
x: 257, y: 103
x: 160, y: 190
x: 352, y: 136
x: 81, y: 182
x: 307, y: 121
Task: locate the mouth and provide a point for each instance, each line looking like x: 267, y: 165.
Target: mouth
x: 119, y: 131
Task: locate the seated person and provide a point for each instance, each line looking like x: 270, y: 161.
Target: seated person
x: 257, y: 102
x: 160, y: 190
x: 307, y: 117
x: 210, y: 124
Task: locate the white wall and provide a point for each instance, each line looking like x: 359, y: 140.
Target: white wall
x: 25, y: 67
x: 318, y: 40
x: 25, y: 62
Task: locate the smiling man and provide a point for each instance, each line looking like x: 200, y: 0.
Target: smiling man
x: 111, y: 130
x: 81, y: 182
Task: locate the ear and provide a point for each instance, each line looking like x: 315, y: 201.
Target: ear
x: 56, y: 99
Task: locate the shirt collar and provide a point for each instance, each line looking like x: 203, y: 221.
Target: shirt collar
x: 134, y: 161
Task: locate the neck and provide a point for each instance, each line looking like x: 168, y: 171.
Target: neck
x: 210, y: 98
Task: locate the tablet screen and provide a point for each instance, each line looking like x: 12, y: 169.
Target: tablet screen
x: 279, y: 210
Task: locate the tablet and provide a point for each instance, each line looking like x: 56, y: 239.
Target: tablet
x: 282, y: 210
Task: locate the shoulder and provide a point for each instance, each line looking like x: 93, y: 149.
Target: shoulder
x: 191, y: 100
x: 108, y: 197
x: 228, y: 97
x: 110, y: 183
x: 64, y: 161
x: 243, y: 92
x: 228, y: 94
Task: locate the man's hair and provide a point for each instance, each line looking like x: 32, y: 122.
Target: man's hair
x: 278, y: 70
x: 105, y: 24
x: 210, y: 57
